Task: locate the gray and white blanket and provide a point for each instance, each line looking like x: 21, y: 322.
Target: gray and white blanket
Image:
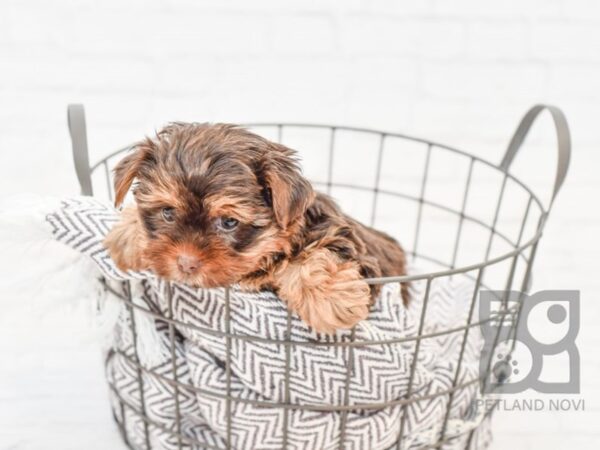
x: 182, y: 401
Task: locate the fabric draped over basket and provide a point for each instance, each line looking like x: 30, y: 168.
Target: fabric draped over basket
x: 183, y: 388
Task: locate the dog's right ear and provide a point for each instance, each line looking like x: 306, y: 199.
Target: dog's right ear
x: 127, y: 170
x: 289, y: 193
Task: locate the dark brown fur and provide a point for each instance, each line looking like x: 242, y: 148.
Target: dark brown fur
x: 289, y: 238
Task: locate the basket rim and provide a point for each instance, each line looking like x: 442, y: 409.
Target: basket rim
x: 518, y: 249
x: 382, y: 133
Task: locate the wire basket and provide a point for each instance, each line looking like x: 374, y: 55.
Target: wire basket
x: 447, y: 225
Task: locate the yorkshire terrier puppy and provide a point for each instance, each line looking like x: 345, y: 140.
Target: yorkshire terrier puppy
x: 218, y: 205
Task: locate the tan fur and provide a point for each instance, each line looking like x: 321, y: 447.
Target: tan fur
x: 326, y: 293
x: 126, y: 241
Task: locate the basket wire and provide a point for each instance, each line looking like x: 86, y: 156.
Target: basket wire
x: 523, y: 250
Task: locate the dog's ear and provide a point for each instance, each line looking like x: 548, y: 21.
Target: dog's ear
x: 288, y: 192
x: 127, y: 170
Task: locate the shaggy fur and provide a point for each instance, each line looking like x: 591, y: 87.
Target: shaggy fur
x: 218, y: 205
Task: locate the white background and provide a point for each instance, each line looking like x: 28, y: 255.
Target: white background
x: 458, y: 72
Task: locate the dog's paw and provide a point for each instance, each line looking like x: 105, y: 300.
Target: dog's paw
x: 124, y: 242
x: 326, y: 293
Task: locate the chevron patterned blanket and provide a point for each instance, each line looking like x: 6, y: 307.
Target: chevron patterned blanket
x: 181, y: 401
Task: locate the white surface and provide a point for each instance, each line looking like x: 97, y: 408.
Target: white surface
x: 460, y: 72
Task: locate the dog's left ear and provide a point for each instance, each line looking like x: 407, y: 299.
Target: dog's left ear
x: 127, y: 170
x: 289, y: 193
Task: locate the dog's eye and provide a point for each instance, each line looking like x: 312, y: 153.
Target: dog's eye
x: 168, y: 214
x: 228, y: 223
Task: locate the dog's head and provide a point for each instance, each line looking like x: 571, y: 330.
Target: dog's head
x: 214, y: 201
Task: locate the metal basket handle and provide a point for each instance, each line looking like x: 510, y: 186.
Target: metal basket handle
x: 563, y: 137
x: 76, y: 119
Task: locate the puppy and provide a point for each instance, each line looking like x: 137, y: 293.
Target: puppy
x: 218, y: 205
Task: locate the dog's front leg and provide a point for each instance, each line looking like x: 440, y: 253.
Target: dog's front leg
x: 125, y: 241
x: 327, y: 293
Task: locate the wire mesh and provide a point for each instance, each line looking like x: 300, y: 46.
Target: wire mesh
x: 521, y: 248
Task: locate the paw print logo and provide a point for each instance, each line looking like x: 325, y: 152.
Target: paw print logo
x: 504, y: 368
x: 542, y: 325
x: 511, y: 364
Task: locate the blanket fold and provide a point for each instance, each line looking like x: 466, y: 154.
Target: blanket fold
x: 184, y: 386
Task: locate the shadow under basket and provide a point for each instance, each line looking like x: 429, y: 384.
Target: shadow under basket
x: 459, y: 217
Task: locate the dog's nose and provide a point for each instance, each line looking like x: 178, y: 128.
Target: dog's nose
x: 188, y: 264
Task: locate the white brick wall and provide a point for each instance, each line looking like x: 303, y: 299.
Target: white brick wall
x: 460, y: 72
